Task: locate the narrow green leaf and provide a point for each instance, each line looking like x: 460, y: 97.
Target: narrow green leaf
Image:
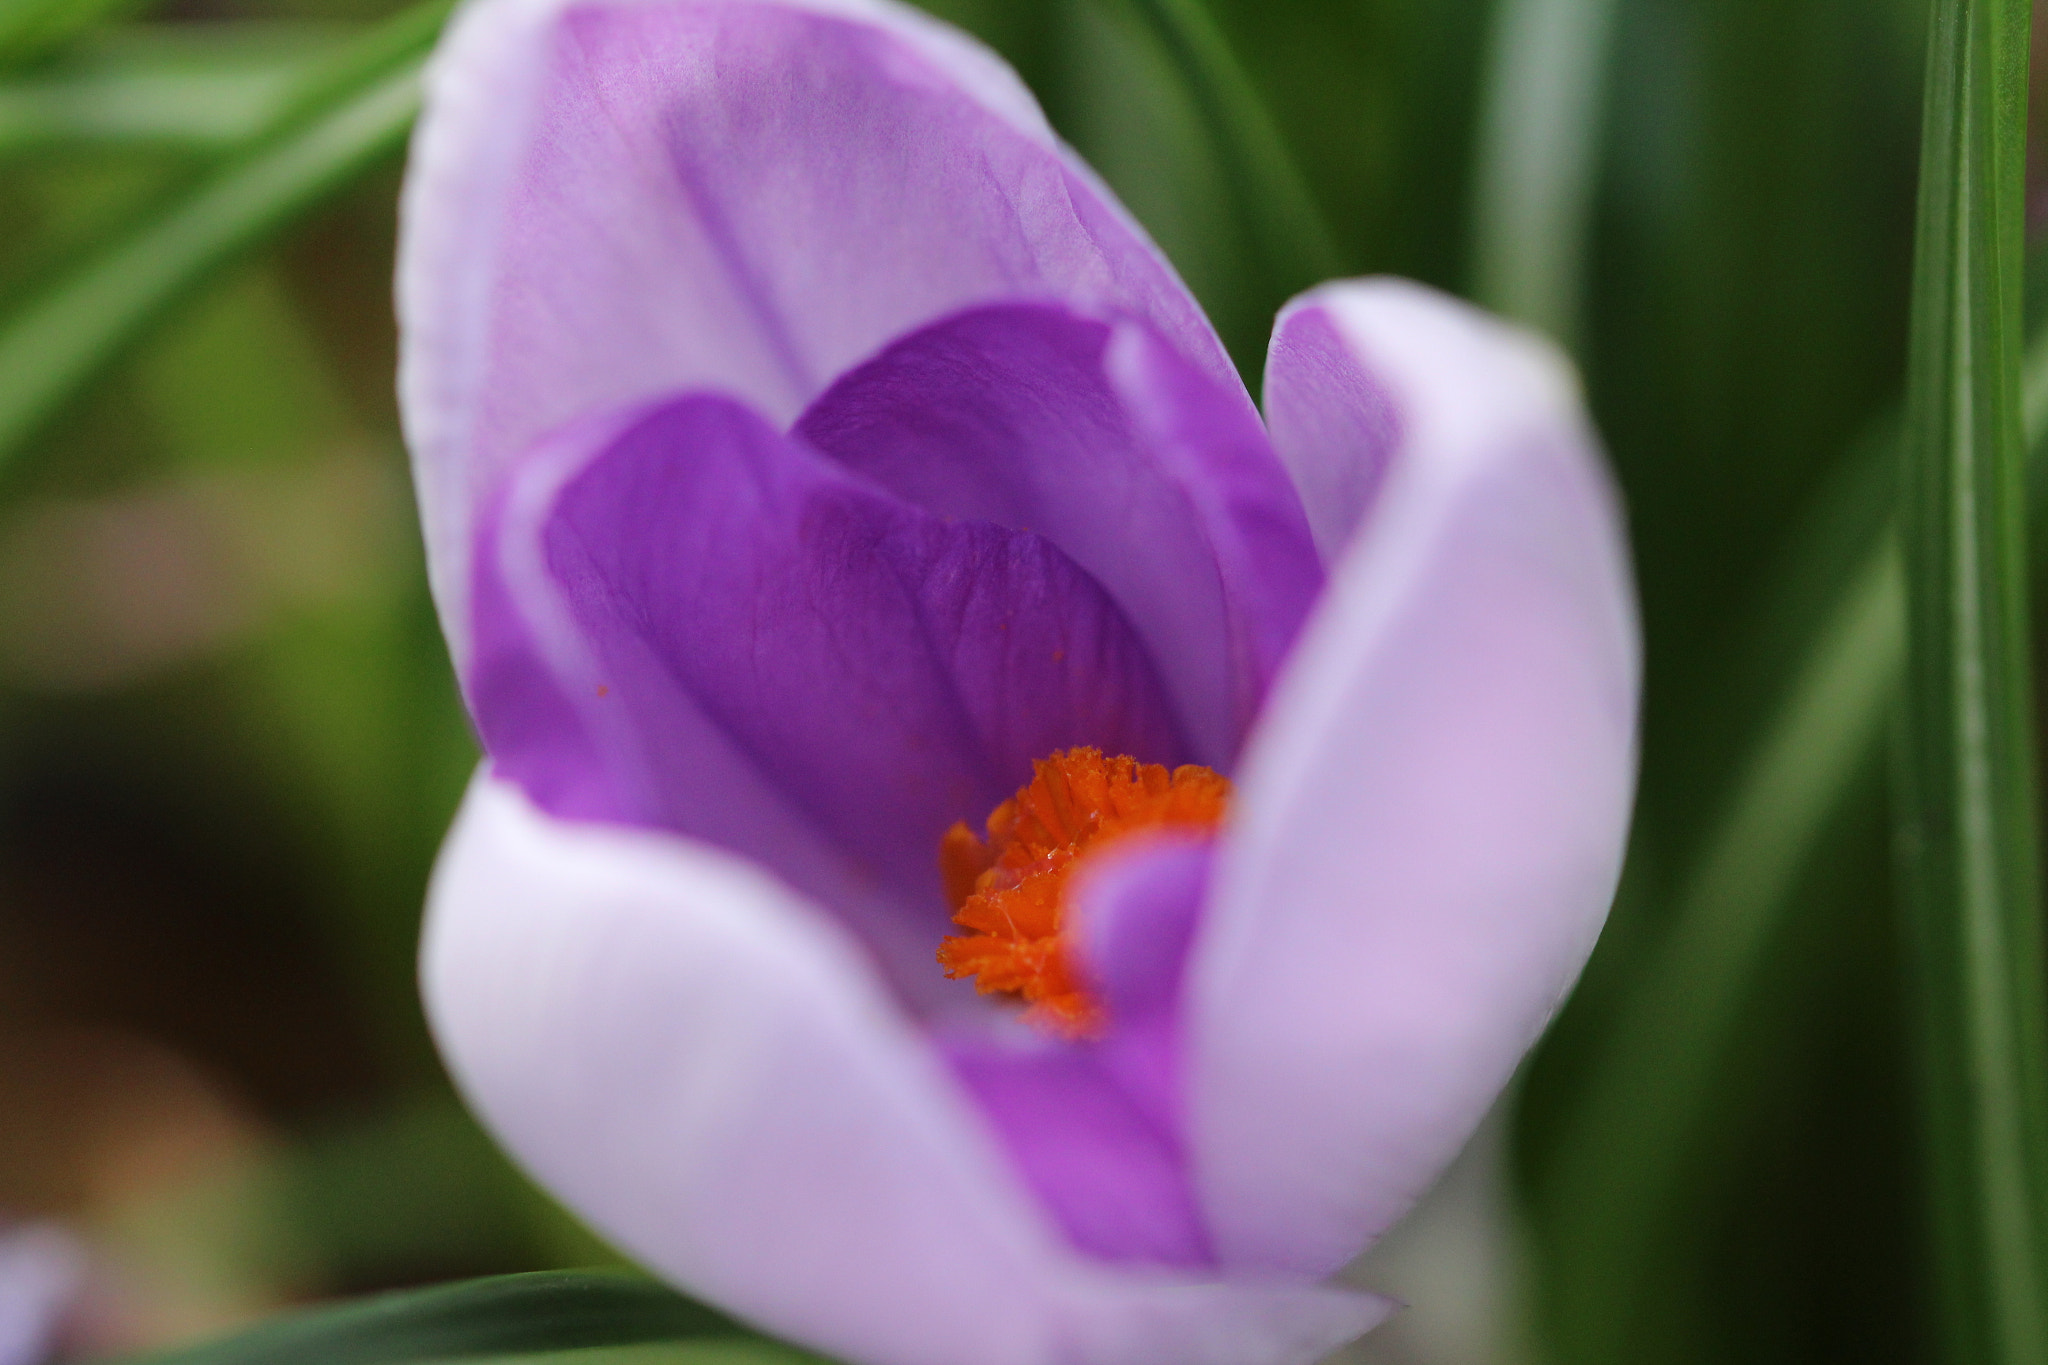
x: 1272, y: 195
x: 1649, y: 1093
x: 31, y: 28
x: 347, y: 118
x: 506, y: 1315
x: 1968, y: 842
x: 150, y: 85
x: 1538, y: 151
x: 202, y: 110
x: 395, y: 45
x: 1632, y: 1130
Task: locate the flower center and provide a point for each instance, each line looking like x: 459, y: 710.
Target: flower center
x: 1009, y: 890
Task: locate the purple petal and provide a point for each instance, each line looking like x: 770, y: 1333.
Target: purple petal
x: 701, y: 1064
x: 1116, y: 1182
x: 1137, y: 905
x: 1155, y: 478
x: 743, y: 642
x: 1096, y: 1127
x: 42, y: 1273
x: 1136, y: 910
x: 612, y: 201
x: 1431, y: 815
x: 1330, y: 421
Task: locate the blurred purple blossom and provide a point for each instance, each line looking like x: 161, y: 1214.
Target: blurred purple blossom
x: 806, y: 443
x: 42, y: 1273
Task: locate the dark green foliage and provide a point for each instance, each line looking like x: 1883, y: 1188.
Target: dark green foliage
x: 1968, y: 842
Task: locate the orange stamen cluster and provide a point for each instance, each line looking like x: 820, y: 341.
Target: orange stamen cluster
x: 1010, y: 890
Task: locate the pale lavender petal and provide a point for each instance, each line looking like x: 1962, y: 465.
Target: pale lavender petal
x: 701, y: 1064
x: 691, y: 621
x: 1330, y: 420
x: 1431, y: 815
x: 611, y: 201
x: 42, y: 1273
x: 1155, y: 478
x: 1095, y: 1127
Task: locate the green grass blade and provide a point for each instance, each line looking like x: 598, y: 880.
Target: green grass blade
x: 156, y: 86
x: 501, y: 1316
x: 201, y: 110
x: 1272, y: 194
x: 1632, y: 1132
x: 1538, y: 152
x: 1968, y: 841
x: 1634, y: 1124
x: 31, y: 28
x: 349, y: 117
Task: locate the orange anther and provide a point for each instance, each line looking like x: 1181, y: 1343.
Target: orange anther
x: 1010, y: 890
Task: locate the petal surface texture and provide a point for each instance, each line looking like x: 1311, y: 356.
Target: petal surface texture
x: 748, y: 643
x: 1430, y: 817
x: 1152, y: 476
x: 609, y: 201
x: 703, y: 1065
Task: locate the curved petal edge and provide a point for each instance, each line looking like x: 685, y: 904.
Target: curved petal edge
x: 611, y: 199
x: 706, y: 1068
x: 1432, y: 813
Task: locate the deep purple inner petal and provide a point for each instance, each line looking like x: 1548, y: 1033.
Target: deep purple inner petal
x: 1095, y: 1127
x: 1150, y: 475
x: 1116, y: 1184
x: 785, y: 660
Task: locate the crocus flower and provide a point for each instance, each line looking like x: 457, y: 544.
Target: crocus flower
x: 857, y: 550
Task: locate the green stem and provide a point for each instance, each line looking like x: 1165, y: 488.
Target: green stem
x: 1968, y: 833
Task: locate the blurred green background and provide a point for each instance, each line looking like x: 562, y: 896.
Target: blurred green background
x: 229, y: 741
